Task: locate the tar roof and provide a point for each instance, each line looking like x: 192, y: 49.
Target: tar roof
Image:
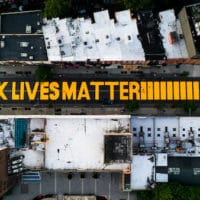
x: 22, y: 47
x: 185, y: 170
x: 150, y: 35
x: 17, y: 22
x: 118, y: 148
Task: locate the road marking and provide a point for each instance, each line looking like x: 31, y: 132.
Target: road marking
x: 55, y: 182
x: 40, y: 188
x: 128, y: 196
x: 82, y: 186
x: 69, y: 186
x: 109, y: 188
x: 95, y: 186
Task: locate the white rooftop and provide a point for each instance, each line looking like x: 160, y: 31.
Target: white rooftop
x: 7, y: 132
x: 78, y: 143
x: 169, y: 23
x: 32, y: 159
x: 182, y: 129
x: 80, y: 39
x: 142, y: 169
x: 161, y: 160
x: 161, y: 178
x: 3, y: 147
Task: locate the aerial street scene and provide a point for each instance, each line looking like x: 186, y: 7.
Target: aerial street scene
x: 99, y: 100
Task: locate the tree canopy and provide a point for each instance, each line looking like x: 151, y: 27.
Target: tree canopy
x: 56, y: 8
x: 43, y: 73
x: 138, y: 5
x: 190, y: 106
x: 170, y: 191
x: 132, y: 106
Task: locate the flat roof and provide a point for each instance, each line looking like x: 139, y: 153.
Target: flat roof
x: 81, y: 40
x: 185, y: 170
x: 13, y: 49
x: 118, y: 148
x: 149, y: 35
x: 164, y: 133
x: 3, y: 148
x: 169, y: 24
x: 16, y: 22
x: 32, y: 159
x: 161, y: 159
x: 193, y: 12
x: 7, y: 132
x: 78, y: 143
x: 142, y: 170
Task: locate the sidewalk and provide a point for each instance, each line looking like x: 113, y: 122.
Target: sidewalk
x: 194, y: 70
x: 103, y: 110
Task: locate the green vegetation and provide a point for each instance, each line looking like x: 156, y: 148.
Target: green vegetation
x: 190, y: 106
x: 43, y: 73
x: 138, y: 5
x: 132, y: 106
x: 160, y: 105
x: 170, y: 191
x: 56, y: 8
x: 184, y: 73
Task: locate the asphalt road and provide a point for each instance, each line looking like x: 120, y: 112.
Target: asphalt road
x: 108, y: 184
x: 104, y: 90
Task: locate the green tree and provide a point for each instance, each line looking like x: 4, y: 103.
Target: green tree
x: 137, y: 5
x: 190, y: 106
x: 194, y: 192
x: 170, y: 191
x: 160, y: 106
x: 43, y: 73
x: 163, y: 192
x: 56, y: 8
x: 184, y: 73
x: 179, y: 191
x: 145, y: 195
x: 132, y: 105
